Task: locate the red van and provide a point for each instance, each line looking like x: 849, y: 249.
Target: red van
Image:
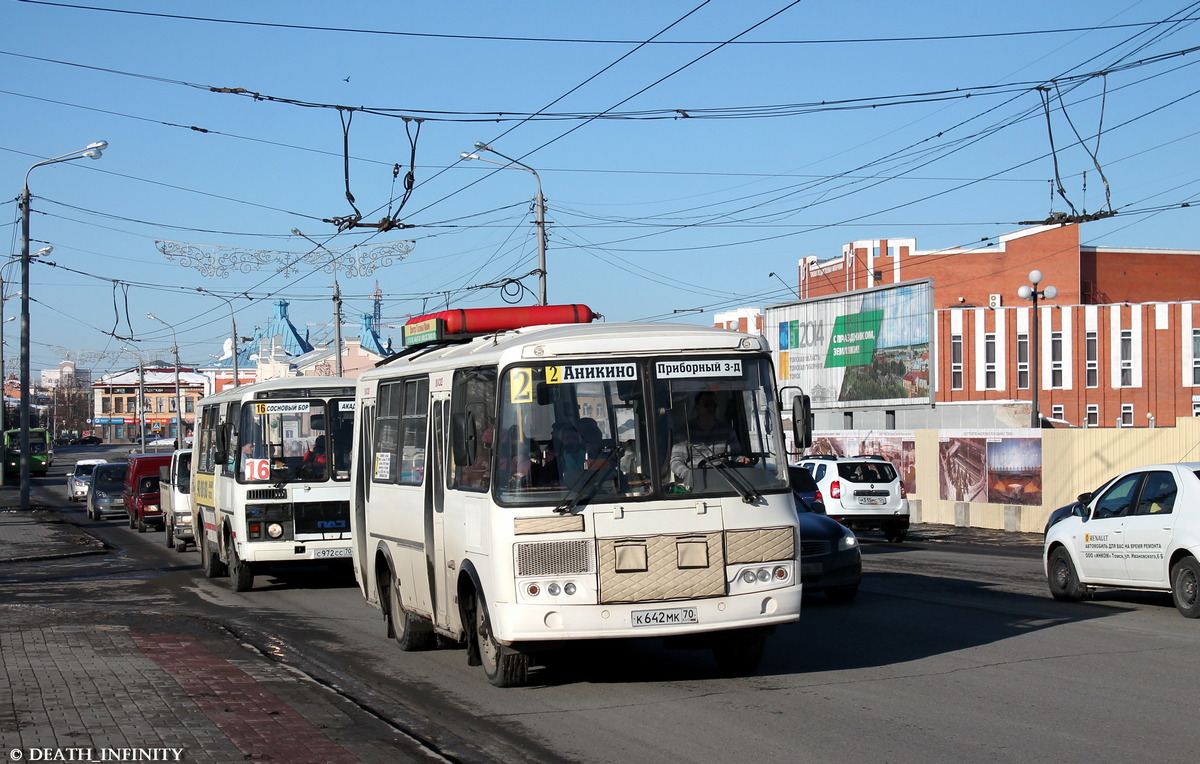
x: 141, y: 490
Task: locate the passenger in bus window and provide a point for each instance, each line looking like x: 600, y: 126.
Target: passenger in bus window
x: 569, y: 457
x: 315, y: 462
x: 513, y: 461
x: 475, y: 475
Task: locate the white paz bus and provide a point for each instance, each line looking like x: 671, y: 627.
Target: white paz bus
x: 524, y: 478
x: 271, y: 475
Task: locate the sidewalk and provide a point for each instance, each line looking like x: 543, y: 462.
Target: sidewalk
x: 138, y: 685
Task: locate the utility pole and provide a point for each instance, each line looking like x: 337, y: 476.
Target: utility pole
x: 141, y: 407
x: 337, y: 325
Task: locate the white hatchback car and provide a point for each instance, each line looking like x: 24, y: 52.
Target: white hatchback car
x: 1141, y: 530
x: 79, y: 478
x: 862, y: 493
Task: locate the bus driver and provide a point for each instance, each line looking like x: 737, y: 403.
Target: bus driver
x: 703, y: 437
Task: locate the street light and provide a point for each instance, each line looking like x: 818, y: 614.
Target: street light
x: 1031, y: 292
x: 178, y: 397
x: 233, y: 335
x: 540, y: 202
x: 92, y: 151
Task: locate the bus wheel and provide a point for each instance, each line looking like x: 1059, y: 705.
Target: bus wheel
x: 738, y: 653
x: 213, y: 567
x: 241, y: 574
x: 503, y: 666
x: 412, y: 632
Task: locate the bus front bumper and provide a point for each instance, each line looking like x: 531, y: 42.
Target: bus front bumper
x: 534, y: 623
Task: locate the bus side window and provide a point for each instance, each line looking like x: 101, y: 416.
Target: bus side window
x: 472, y: 429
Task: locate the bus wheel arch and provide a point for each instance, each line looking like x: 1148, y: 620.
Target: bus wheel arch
x: 503, y: 665
x: 411, y: 632
x: 468, y: 588
x: 210, y: 557
x: 241, y: 573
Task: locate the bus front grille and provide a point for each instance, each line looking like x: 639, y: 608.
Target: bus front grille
x: 555, y: 558
x: 258, y: 494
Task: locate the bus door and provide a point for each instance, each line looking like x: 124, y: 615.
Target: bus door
x: 440, y: 582
x: 362, y: 475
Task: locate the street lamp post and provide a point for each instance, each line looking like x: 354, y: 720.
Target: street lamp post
x: 233, y: 335
x: 1032, y: 292
x: 92, y: 151
x: 540, y: 203
x: 178, y: 397
x: 3, y: 375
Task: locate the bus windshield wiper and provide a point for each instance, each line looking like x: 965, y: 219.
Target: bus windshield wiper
x: 721, y: 462
x: 575, y: 493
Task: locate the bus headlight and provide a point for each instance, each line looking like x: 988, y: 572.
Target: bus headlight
x: 275, y: 530
x: 768, y: 576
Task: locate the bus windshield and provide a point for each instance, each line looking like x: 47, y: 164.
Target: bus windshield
x: 587, y: 431
x: 290, y: 441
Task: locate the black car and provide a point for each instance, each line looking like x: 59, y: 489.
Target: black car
x: 803, y: 484
x: 90, y: 440
x: 830, y: 560
x: 1077, y: 507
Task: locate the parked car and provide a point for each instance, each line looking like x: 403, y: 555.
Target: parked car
x: 175, y: 489
x: 80, y: 477
x: 862, y: 493
x: 803, y: 484
x: 830, y: 559
x: 1141, y: 530
x: 90, y: 440
x: 141, y: 490
x: 106, y: 492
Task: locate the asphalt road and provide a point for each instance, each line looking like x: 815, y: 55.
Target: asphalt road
x: 947, y: 655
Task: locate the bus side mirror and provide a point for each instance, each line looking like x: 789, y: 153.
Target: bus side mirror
x: 802, y: 420
x: 463, y: 438
x: 221, y: 443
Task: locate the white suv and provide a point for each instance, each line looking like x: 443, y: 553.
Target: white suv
x: 862, y: 493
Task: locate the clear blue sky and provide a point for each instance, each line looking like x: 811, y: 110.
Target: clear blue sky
x: 653, y: 215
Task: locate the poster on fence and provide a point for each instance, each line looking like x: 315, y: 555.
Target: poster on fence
x: 990, y: 466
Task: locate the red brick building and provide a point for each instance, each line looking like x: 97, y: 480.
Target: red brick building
x: 1118, y: 346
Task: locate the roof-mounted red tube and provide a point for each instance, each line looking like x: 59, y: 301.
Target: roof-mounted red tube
x: 481, y: 320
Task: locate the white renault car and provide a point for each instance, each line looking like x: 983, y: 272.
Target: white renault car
x: 1141, y: 530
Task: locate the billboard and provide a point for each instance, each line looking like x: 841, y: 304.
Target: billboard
x: 871, y: 347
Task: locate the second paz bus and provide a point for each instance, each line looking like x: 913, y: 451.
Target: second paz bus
x: 271, y: 475
x: 524, y: 478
